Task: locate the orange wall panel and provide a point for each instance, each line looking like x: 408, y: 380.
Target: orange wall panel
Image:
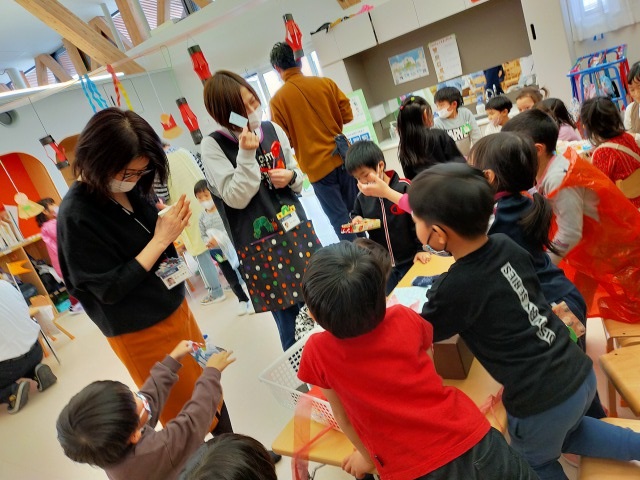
x: 14, y: 166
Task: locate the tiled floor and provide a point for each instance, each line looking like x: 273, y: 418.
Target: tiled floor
x: 29, y: 446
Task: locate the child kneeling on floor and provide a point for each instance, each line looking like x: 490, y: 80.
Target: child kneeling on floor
x: 492, y: 297
x: 111, y: 427
x: 373, y: 366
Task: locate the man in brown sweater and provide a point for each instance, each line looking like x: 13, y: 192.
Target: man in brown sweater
x: 312, y: 111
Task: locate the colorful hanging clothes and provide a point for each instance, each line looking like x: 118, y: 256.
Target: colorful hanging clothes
x: 605, y: 264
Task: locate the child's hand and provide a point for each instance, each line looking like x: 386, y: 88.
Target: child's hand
x: 357, y: 465
x: 212, y: 243
x: 221, y: 360
x: 181, y: 350
x: 280, y: 177
x: 356, y: 220
x: 248, y: 140
x: 422, y: 257
x: 373, y: 186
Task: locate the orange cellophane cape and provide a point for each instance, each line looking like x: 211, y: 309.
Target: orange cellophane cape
x: 605, y: 265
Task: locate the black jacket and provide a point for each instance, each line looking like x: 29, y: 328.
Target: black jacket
x: 398, y: 232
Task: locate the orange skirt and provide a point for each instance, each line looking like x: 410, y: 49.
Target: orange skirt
x: 139, y: 351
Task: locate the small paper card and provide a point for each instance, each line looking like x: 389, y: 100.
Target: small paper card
x: 202, y: 353
x: 173, y: 272
x: 238, y: 120
x: 288, y: 217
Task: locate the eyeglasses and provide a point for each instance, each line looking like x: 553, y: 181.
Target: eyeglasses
x: 128, y: 173
x: 145, y: 406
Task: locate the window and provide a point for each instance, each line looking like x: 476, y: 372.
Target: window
x: 62, y: 57
x: 310, y: 68
x: 590, y: 18
x: 150, y: 9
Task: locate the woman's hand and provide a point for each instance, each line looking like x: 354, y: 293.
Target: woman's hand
x: 221, y: 360
x: 248, y: 140
x: 171, y: 224
x: 280, y: 177
x: 357, y: 465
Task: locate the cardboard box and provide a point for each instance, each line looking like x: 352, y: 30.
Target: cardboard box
x: 452, y: 358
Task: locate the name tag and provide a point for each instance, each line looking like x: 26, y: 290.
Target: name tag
x: 173, y: 272
x: 288, y: 217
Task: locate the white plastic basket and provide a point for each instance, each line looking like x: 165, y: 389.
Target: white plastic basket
x: 282, y: 378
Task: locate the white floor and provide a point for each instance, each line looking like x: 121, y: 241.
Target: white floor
x: 30, y: 449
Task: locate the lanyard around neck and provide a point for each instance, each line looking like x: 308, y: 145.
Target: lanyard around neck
x: 130, y: 214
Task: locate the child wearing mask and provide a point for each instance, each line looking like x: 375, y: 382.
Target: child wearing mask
x: 221, y: 249
x: 497, y: 109
x: 455, y: 119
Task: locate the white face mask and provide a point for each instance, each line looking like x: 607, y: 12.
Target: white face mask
x: 444, y: 113
x: 495, y: 121
x: 120, y: 186
x: 255, y: 118
x: 207, y: 204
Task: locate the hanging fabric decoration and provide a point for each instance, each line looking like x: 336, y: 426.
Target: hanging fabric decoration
x: 170, y: 128
x: 190, y: 120
x: 91, y: 92
x: 117, y: 85
x: 200, y: 65
x: 293, y: 36
x: 61, y: 159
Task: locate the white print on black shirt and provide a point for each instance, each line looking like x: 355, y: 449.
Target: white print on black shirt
x: 266, y: 162
x: 536, y: 320
x: 460, y: 133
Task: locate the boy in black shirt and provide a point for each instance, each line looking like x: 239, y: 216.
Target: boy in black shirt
x: 397, y: 233
x: 491, y: 297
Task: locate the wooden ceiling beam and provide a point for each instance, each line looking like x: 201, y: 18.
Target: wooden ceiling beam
x: 202, y: 3
x: 4, y: 88
x: 58, y: 70
x: 25, y: 79
x: 164, y: 12
x: 69, y: 26
x: 41, y: 73
x: 101, y: 26
x: 75, y: 57
x: 134, y: 24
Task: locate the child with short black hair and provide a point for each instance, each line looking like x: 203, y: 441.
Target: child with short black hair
x: 455, y: 119
x: 231, y: 456
x: 497, y: 108
x: 617, y: 154
x: 568, y: 130
x: 397, y: 232
x: 597, y: 227
x: 632, y: 112
x: 220, y: 246
x: 422, y: 429
x: 111, y: 427
x: 492, y: 298
x: 378, y: 251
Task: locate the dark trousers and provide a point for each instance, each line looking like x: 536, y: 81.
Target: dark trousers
x: 16, y: 368
x: 231, y: 275
x: 397, y: 273
x: 337, y: 193
x: 286, y: 322
x: 490, y: 459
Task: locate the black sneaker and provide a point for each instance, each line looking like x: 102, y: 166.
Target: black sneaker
x: 44, y: 377
x: 20, y: 397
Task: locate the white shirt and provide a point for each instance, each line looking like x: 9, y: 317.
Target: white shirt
x: 18, y: 333
x: 490, y: 129
x: 627, y: 122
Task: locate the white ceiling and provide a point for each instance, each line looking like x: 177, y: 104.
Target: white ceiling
x: 23, y: 36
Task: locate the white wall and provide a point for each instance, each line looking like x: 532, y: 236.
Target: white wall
x: 629, y: 35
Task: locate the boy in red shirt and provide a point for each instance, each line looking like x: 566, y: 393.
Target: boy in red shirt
x: 373, y: 367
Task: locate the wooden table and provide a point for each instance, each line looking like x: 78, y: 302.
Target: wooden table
x: 602, y: 469
x: 334, y: 446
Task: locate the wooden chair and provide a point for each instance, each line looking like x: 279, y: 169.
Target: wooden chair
x: 621, y: 366
x: 630, y: 186
x: 42, y: 301
x: 601, y: 469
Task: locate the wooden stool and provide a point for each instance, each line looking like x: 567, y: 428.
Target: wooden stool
x: 622, y: 368
x: 601, y: 469
x: 619, y: 334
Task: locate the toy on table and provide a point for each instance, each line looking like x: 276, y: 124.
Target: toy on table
x: 366, y: 225
x: 202, y: 353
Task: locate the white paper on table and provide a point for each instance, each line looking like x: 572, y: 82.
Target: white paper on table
x: 412, y: 297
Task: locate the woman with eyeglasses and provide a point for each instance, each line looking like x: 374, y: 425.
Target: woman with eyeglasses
x: 117, y: 255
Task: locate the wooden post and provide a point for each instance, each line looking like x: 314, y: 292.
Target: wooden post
x: 202, y: 3
x: 69, y: 26
x: 75, y: 57
x: 41, y: 73
x: 58, y: 71
x: 26, y: 80
x: 164, y: 12
x: 101, y: 26
x: 134, y: 24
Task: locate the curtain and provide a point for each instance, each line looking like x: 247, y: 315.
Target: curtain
x: 593, y: 17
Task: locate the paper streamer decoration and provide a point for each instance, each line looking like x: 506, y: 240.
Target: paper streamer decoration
x: 91, y: 92
x: 117, y: 85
